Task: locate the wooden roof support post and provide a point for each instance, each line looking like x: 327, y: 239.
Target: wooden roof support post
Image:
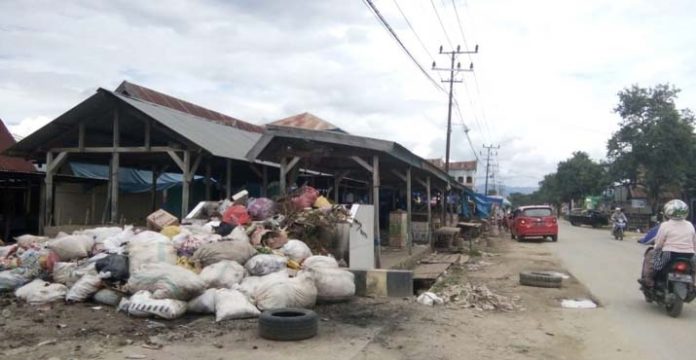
x: 153, y: 189
x: 186, y: 184
x: 114, y: 169
x: 375, y: 201
x: 264, y: 180
x: 443, y: 203
x: 208, y: 180
x: 430, y: 213
x: 337, y: 184
x: 409, y: 194
x: 48, y: 192
x: 228, y: 179
x: 283, y: 176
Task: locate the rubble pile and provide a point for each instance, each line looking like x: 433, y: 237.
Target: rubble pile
x: 478, y: 297
x: 241, y: 257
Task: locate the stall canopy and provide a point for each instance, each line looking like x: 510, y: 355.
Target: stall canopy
x: 129, y: 180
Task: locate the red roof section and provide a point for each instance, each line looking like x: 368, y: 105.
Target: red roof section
x: 455, y: 165
x: 11, y: 163
x: 307, y: 121
x: 156, y: 97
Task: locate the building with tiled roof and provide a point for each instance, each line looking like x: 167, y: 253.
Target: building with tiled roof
x: 307, y: 121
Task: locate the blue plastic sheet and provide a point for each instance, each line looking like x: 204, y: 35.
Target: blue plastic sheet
x: 129, y: 180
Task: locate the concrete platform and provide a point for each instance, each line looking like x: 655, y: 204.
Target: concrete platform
x: 398, y: 258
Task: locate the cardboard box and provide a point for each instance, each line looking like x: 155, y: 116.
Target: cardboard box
x: 398, y: 228
x: 159, y: 219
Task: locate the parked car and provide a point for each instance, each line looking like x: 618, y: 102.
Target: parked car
x: 536, y: 221
x: 593, y: 218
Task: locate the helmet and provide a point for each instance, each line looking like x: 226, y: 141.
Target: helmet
x: 676, y: 209
x: 617, y: 209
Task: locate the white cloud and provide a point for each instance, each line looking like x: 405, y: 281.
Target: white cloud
x: 546, y: 77
x: 28, y: 125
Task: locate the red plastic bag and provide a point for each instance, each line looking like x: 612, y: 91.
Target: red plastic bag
x: 236, y: 215
x: 308, y: 195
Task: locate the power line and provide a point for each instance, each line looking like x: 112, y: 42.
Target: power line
x: 420, y: 41
x: 401, y: 44
x: 442, y: 25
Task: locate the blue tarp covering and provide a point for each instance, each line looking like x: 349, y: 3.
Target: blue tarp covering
x: 129, y: 180
x: 482, y: 204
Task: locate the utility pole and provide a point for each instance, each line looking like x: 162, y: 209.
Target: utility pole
x: 488, y: 163
x: 453, y: 55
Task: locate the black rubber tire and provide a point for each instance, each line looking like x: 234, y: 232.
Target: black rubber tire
x: 543, y: 279
x: 520, y: 238
x: 675, y: 309
x: 512, y: 236
x: 554, y: 238
x: 288, y: 324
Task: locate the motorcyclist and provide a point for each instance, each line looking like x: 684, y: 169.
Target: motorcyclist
x: 676, y: 238
x: 616, y: 217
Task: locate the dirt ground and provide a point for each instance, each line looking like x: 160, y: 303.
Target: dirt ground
x: 364, y: 328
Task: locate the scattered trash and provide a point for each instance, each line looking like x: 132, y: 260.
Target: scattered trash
x: 136, y: 356
x: 578, y: 304
x: 159, y: 219
x: 47, y: 342
x: 478, y: 297
x: 430, y: 299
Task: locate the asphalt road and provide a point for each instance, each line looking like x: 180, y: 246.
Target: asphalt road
x: 609, y: 268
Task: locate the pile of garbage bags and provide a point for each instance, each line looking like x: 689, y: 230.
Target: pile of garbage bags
x: 233, y: 267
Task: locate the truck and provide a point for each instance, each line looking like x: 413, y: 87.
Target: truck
x: 589, y: 217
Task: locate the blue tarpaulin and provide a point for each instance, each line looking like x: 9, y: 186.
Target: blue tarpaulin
x: 129, y: 180
x: 482, y: 204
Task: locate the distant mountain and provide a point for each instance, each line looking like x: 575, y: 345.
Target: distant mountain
x: 507, y: 190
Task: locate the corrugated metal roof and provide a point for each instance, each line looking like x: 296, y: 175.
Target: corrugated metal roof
x: 220, y: 140
x: 156, y: 97
x: 10, y: 163
x: 307, y: 121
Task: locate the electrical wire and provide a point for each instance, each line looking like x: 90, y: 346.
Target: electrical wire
x: 420, y: 41
x: 442, y: 25
x: 384, y: 22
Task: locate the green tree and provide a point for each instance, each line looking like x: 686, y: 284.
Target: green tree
x: 579, y: 176
x: 654, y: 142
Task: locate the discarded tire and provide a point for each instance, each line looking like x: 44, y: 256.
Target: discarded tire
x: 288, y: 324
x: 543, y: 279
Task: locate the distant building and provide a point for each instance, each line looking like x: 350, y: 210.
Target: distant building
x: 462, y: 171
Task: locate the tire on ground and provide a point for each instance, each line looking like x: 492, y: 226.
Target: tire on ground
x: 288, y: 324
x: 543, y: 279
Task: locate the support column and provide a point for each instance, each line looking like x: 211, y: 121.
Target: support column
x: 430, y: 212
x: 208, y: 181
x: 283, y: 176
x: 375, y: 202
x: 48, y: 192
x: 185, y: 185
x: 228, y: 179
x: 114, y: 168
x: 264, y: 181
x: 409, y: 194
x: 443, y: 204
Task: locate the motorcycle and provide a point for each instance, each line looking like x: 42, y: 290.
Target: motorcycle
x: 674, y: 286
x: 619, y: 228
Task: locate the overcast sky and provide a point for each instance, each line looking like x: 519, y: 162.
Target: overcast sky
x: 545, y: 79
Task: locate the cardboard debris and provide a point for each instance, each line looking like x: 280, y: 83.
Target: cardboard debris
x: 159, y: 219
x: 479, y: 297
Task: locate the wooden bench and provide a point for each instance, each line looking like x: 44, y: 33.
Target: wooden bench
x: 447, y: 235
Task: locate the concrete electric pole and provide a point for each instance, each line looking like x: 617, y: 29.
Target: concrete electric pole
x: 488, y: 163
x: 453, y: 55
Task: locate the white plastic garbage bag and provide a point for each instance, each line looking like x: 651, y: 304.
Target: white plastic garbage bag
x: 239, y: 233
x: 264, y: 264
x: 296, y: 250
x: 166, y: 281
x: 203, y: 304
x: 333, y: 284
x: 250, y: 283
x: 87, y: 286
x: 233, y: 304
x: 222, y: 274
x: 68, y: 273
x: 71, y: 247
x: 319, y: 261
x: 39, y: 292
x: 12, y: 279
x: 429, y: 299
x: 100, y: 234
x: 143, y: 304
x: 280, y: 293
x: 108, y: 297
x: 149, y: 247
x: 239, y: 251
x: 114, y: 244
x: 26, y: 241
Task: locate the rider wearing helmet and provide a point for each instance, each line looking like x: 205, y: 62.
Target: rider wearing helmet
x: 676, y: 237
x: 616, y: 217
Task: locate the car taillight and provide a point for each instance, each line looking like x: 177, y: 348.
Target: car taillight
x: 681, y: 267
x: 522, y: 221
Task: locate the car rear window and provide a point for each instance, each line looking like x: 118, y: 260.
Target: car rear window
x: 537, y: 212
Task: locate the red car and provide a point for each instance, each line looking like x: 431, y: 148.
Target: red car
x: 536, y: 221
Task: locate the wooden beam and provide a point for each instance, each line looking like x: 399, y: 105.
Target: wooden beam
x: 57, y: 162
x: 292, y: 163
x: 363, y: 163
x: 81, y: 136
x: 409, y: 194
x: 375, y: 202
x: 422, y: 182
x: 153, y: 189
x: 179, y: 162
x: 111, y: 149
x: 256, y: 170
x: 337, y: 184
x: 400, y: 175
x: 228, y: 178
x: 194, y: 167
x: 115, y: 167
x: 186, y: 184
x: 430, y: 212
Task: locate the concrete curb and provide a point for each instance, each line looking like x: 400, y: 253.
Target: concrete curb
x: 383, y: 283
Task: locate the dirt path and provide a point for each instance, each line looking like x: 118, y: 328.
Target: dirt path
x: 362, y: 329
